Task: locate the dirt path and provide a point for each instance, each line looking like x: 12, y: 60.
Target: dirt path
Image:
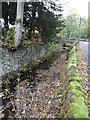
x: 82, y: 65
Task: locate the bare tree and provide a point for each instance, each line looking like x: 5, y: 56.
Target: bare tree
x: 19, y: 23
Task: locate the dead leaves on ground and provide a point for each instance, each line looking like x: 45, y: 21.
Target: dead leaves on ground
x: 43, y: 101
x: 82, y: 66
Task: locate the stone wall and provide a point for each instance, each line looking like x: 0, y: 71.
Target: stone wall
x: 11, y: 61
x: 73, y: 99
x: 20, y: 59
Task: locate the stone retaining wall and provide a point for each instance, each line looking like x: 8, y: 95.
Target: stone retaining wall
x: 12, y: 62
x: 73, y: 99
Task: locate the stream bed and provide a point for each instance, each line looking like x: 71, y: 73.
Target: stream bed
x: 30, y: 94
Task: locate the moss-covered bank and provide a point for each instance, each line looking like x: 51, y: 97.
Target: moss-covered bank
x: 73, y: 99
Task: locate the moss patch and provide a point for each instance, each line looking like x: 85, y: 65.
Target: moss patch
x: 77, y: 109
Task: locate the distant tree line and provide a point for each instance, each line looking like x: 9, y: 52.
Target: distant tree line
x: 73, y: 22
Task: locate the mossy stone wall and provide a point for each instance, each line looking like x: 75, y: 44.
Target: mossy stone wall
x: 73, y: 98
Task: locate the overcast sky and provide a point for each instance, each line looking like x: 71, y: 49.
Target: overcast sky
x: 80, y: 6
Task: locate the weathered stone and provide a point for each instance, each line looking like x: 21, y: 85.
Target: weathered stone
x: 72, y: 75
x: 65, y: 97
x: 11, y: 61
x: 71, y: 118
x: 73, y: 68
x: 70, y: 94
x: 74, y: 99
x: 77, y: 87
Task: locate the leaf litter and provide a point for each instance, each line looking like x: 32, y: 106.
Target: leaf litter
x: 42, y: 100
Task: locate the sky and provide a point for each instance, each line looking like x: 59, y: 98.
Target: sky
x: 80, y: 6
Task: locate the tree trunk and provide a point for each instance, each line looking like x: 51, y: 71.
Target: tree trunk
x: 6, y: 23
x: 19, y: 23
x: 5, y: 14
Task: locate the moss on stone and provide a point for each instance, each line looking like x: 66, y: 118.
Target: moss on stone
x: 75, y: 78
x: 70, y: 110
x: 62, y: 113
x: 70, y: 65
x: 72, y: 59
x: 72, y: 69
x: 77, y: 109
x: 72, y: 92
x: 64, y: 93
x: 72, y: 52
x: 22, y: 69
x: 73, y: 97
x: 73, y: 72
x: 11, y: 75
x: 76, y: 88
x: 73, y: 85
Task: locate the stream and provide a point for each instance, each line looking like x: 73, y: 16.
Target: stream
x: 10, y: 88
